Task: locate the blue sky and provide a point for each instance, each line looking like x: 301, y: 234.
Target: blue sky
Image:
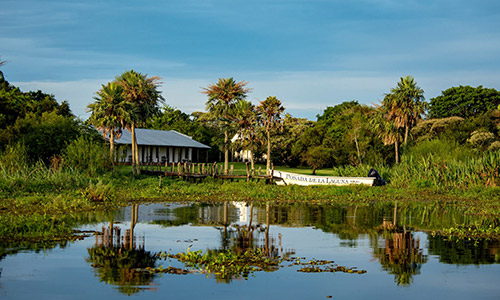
x: 309, y: 53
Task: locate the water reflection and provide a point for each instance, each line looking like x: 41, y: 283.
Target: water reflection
x: 242, y: 237
x: 465, y: 251
x: 401, y: 254
x: 120, y: 259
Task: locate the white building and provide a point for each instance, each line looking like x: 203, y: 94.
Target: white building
x: 161, y: 146
x: 243, y: 155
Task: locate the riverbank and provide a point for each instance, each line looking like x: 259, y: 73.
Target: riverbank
x: 58, y: 192
x: 45, y: 196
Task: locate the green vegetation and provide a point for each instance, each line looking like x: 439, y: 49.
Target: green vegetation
x: 51, y: 163
x: 222, y: 98
x: 464, y: 101
x: 226, y: 264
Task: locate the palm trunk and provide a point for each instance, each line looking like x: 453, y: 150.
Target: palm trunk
x: 226, y: 152
x: 112, y: 146
x: 132, y: 131
x: 406, y: 134
x: 268, y: 165
x: 397, y: 151
x: 135, y: 153
x: 357, y: 148
x: 252, y: 166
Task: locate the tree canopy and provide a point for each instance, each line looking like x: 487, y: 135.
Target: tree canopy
x: 222, y: 97
x: 464, y: 101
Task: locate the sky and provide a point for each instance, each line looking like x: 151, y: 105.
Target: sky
x: 310, y: 54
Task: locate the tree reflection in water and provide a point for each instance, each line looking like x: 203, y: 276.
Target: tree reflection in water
x: 119, y: 259
x: 247, y: 239
x: 401, y: 255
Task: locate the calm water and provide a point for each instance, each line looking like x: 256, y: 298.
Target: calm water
x: 401, y: 260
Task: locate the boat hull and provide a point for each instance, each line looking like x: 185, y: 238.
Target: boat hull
x: 286, y: 178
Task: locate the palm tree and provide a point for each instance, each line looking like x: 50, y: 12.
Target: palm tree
x: 245, y: 117
x: 386, y: 129
x: 405, y: 104
x: 109, y: 113
x: 142, y: 94
x: 270, y: 111
x: 222, y: 97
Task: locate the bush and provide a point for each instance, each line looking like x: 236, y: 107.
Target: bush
x: 14, y: 159
x: 88, y: 156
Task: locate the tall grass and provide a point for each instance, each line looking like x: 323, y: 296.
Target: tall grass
x: 81, y: 162
x: 88, y: 156
x: 437, y: 164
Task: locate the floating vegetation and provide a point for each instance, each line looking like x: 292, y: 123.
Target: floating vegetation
x: 169, y: 270
x: 226, y: 264
x: 320, y: 266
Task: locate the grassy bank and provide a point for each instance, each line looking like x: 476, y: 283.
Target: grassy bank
x: 49, y: 193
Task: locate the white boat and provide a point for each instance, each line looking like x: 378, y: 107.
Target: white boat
x: 286, y: 178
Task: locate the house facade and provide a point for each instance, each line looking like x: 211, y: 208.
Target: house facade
x: 161, y: 146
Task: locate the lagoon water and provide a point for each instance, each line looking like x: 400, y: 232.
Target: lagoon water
x: 401, y: 258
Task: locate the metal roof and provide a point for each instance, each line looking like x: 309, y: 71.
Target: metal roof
x: 150, y: 137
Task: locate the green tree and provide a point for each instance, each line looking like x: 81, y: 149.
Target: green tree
x: 270, y: 111
x: 44, y: 136
x: 222, y: 97
x: 387, y: 130
x: 245, y: 116
x: 317, y: 157
x: 464, y: 101
x: 405, y: 104
x: 286, y: 147
x: 110, y: 113
x: 142, y: 93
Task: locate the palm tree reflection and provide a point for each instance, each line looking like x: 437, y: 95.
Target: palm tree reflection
x: 249, y: 238
x: 401, y: 254
x: 119, y: 260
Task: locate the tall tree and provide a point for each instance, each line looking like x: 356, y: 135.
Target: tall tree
x: 270, y: 111
x: 110, y: 113
x: 245, y: 117
x: 405, y: 104
x: 222, y: 97
x: 386, y: 129
x: 464, y: 101
x: 142, y: 93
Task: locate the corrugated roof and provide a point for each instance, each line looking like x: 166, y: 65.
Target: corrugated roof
x: 150, y: 137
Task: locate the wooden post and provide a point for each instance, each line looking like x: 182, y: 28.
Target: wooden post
x: 260, y: 169
x: 232, y: 170
x: 199, y: 168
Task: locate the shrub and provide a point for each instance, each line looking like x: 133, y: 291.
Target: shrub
x: 14, y: 159
x: 88, y: 156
